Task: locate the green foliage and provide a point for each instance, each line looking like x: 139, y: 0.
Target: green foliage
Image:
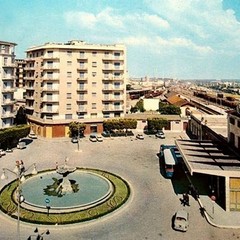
x: 139, y: 106
x: 21, y: 117
x: 119, y: 124
x: 119, y: 196
x: 169, y: 109
x: 156, y: 123
x: 76, y: 128
x: 9, y: 137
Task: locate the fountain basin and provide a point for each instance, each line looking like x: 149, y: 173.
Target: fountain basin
x: 92, y: 190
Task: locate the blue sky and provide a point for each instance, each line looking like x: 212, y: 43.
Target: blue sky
x: 183, y: 39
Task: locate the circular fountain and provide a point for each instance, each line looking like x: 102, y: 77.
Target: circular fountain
x: 66, y: 195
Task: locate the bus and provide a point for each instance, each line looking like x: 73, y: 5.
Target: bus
x: 169, y: 162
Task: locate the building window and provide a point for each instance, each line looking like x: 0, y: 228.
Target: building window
x: 94, y: 74
x: 69, y: 74
x: 69, y: 84
x: 232, y: 120
x: 69, y: 95
x: 82, y: 75
x: 238, y: 123
x: 94, y: 106
x: 94, y: 54
x: 69, y: 106
x: 94, y: 64
x: 69, y: 53
x: 68, y: 116
x: 50, y: 53
x: 69, y: 63
x: 49, y: 116
x: 82, y: 54
x: 117, y: 54
x: 117, y: 65
x: 80, y: 115
x: 94, y: 84
x: 94, y: 94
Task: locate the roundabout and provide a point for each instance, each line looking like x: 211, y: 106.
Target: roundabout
x: 62, y: 197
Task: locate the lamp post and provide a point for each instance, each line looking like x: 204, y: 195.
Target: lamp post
x: 38, y: 236
x: 19, y: 171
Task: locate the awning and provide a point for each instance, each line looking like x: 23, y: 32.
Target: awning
x: 208, y: 157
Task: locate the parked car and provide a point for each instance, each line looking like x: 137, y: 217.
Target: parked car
x: 21, y: 145
x: 74, y: 140
x: 181, y: 221
x: 106, y: 134
x: 140, y: 136
x: 32, y: 135
x: 99, y: 138
x: 2, y: 152
x: 160, y: 134
x: 93, y: 137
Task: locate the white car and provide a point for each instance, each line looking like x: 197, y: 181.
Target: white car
x: 99, y: 138
x: 32, y: 135
x: 181, y: 221
x: 140, y: 136
x: 93, y: 137
x: 2, y: 152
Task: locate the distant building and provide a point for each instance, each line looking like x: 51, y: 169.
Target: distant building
x: 20, y: 73
x: 7, y: 77
x: 74, y: 81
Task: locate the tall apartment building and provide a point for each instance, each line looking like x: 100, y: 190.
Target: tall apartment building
x: 234, y: 127
x: 20, y: 72
x: 7, y: 77
x: 74, y: 81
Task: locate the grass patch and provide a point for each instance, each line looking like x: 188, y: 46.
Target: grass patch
x: 118, y: 198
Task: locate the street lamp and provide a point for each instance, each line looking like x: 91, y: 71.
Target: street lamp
x: 38, y: 236
x: 19, y: 171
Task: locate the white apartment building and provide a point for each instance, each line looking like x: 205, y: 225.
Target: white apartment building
x: 74, y: 81
x: 7, y: 77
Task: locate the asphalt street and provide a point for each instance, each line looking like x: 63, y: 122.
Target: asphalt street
x: 148, y: 212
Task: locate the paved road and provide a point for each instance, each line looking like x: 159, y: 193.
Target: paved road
x: 147, y: 214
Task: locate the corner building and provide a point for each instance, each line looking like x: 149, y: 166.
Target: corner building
x: 74, y: 81
x: 7, y: 83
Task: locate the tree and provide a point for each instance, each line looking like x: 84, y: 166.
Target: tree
x: 169, y: 109
x: 21, y: 117
x: 155, y: 124
x: 76, y: 129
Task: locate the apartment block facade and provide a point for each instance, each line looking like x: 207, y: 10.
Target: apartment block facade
x: 74, y: 81
x: 7, y: 83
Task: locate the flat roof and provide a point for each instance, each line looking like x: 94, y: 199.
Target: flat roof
x: 208, y: 157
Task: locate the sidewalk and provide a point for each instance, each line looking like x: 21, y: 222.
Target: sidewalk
x: 217, y: 216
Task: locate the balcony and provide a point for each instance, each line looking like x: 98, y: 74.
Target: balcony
x: 82, y: 68
x: 111, y: 88
x: 47, y: 89
x: 29, y: 78
x: 30, y: 88
x: 48, y: 110
x: 29, y: 97
x: 9, y: 65
x: 49, y: 100
x: 51, y: 79
x: 82, y: 110
x: 8, y: 102
x: 8, y: 90
x: 112, y: 109
x: 113, y: 99
x: 50, y: 67
x: 50, y: 57
x: 111, y: 57
x: 82, y: 79
x: 7, y: 115
x: 29, y: 68
x: 82, y: 100
x: 82, y: 89
x: 8, y: 78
